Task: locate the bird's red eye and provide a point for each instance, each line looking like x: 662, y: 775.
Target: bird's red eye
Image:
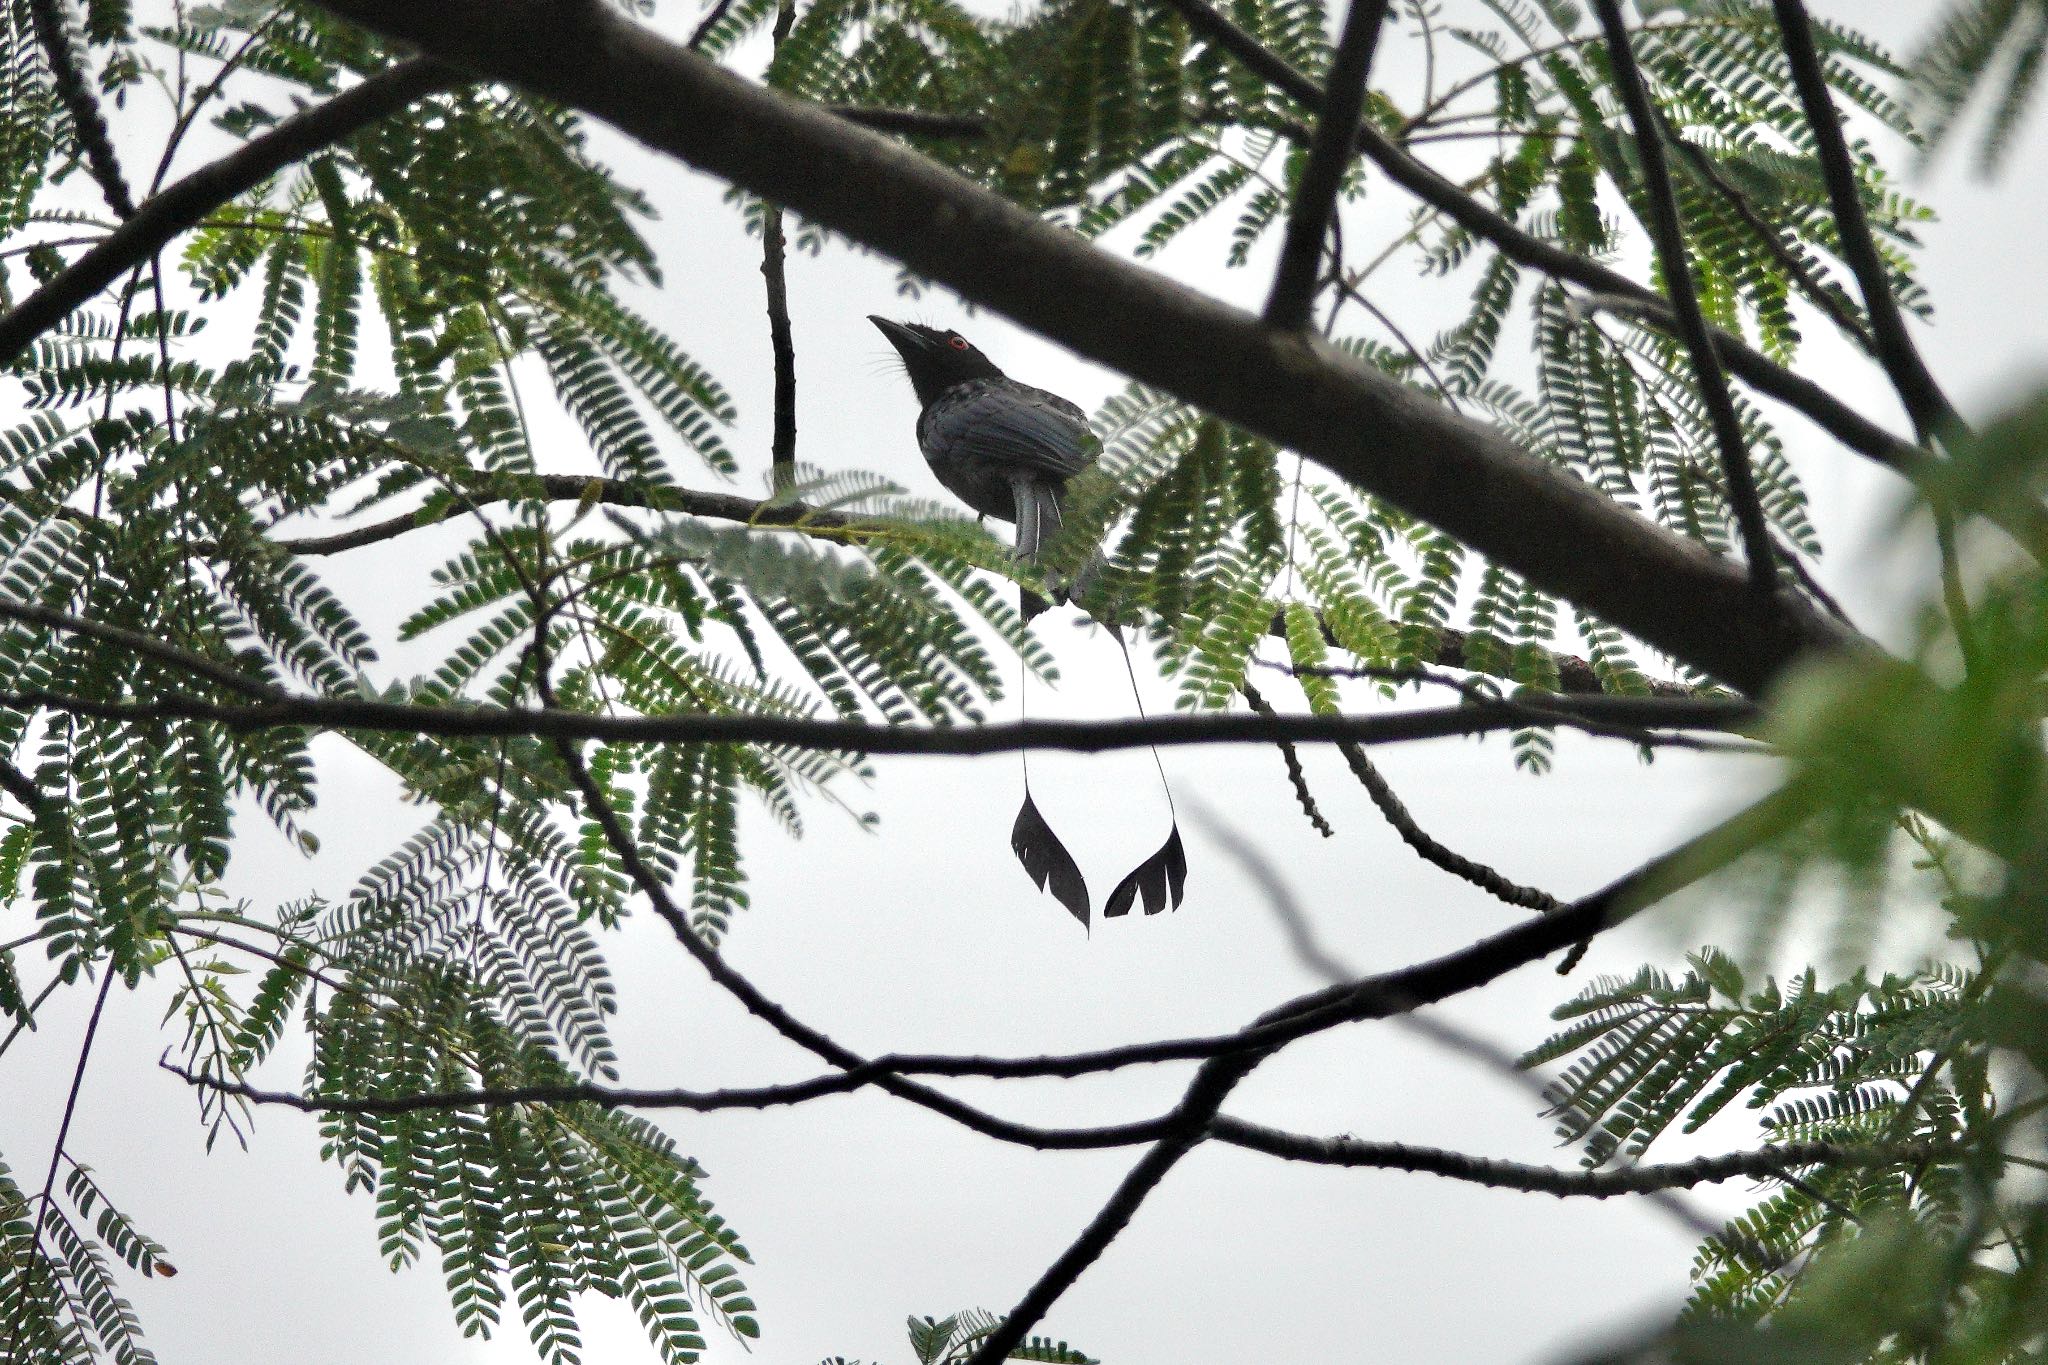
x: 958, y: 343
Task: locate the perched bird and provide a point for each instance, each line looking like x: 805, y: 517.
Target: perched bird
x: 1005, y: 449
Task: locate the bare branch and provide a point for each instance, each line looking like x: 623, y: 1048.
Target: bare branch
x: 1296, y: 778
x: 1468, y: 479
x: 1188, y: 1123
x: 1668, y: 231
x: 1925, y: 402
x: 286, y: 711
x: 1335, y: 142
x: 1435, y: 852
x: 1513, y: 1175
x: 701, y: 1102
x: 182, y: 205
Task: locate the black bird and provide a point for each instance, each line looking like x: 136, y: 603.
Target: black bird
x: 1005, y: 449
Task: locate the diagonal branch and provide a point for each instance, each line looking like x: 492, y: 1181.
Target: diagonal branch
x: 1335, y: 142
x: 1431, y: 850
x: 1669, y: 233
x: 1924, y: 400
x: 53, y: 32
x: 1468, y: 479
x: 183, y: 204
x: 1189, y: 1124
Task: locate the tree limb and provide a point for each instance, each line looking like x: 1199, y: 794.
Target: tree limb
x: 53, y: 33
x: 293, y: 711
x: 1514, y: 1175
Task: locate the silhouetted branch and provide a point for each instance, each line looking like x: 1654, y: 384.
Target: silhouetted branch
x: 1925, y: 403
x: 1514, y: 1175
x: 1296, y: 778
x: 1329, y: 153
x: 1433, y: 851
x: 1668, y: 232
x: 285, y: 711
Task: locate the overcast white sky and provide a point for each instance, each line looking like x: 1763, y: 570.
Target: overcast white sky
x: 927, y: 935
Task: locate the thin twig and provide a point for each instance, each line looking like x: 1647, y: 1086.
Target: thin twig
x: 1434, y: 851
x: 1768, y: 1162
x: 1329, y: 154
x: 1296, y: 778
x: 44, y: 1207
x: 1668, y: 232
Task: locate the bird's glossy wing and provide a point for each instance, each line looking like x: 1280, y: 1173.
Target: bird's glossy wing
x: 1004, y: 425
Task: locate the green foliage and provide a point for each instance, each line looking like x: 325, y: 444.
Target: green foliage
x: 374, y: 331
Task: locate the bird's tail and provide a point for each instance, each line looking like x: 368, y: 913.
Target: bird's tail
x: 1039, y: 516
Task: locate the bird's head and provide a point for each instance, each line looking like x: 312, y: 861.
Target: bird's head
x: 935, y: 359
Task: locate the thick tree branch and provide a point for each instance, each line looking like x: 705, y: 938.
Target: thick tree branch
x: 290, y: 711
x: 1924, y: 400
x: 1513, y: 1175
x: 1329, y: 154
x: 183, y: 204
x: 53, y: 33
x: 1468, y: 479
x: 1668, y: 231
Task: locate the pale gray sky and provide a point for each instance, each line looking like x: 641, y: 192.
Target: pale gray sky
x: 926, y: 935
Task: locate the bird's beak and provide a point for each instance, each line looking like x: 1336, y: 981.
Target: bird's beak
x: 906, y: 342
